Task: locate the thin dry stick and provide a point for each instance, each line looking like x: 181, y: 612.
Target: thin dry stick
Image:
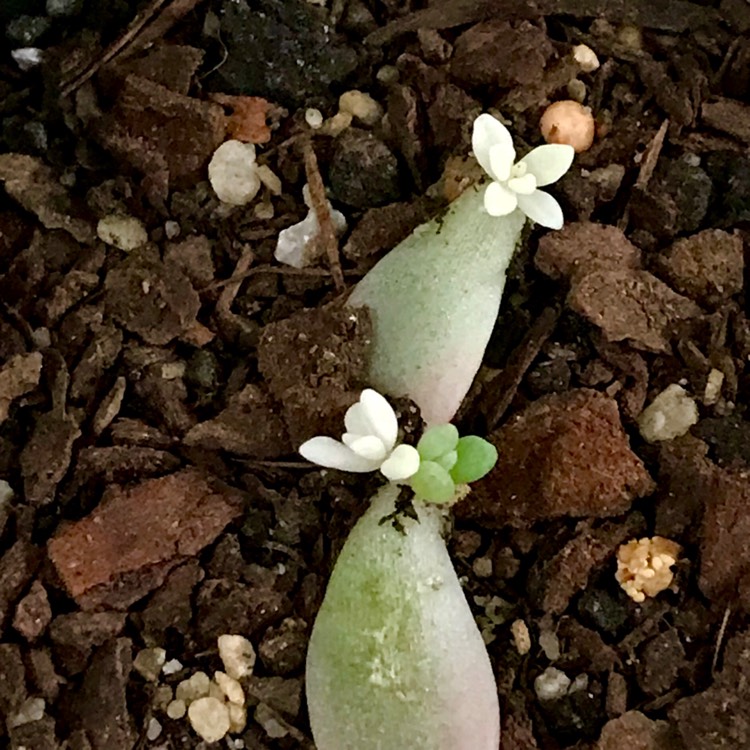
x: 226, y: 298
x: 651, y: 157
x: 322, y: 212
x: 720, y: 639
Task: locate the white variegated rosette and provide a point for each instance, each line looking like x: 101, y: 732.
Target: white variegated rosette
x: 368, y: 444
x: 516, y: 184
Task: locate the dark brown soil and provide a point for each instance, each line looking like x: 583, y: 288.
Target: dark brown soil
x: 151, y: 399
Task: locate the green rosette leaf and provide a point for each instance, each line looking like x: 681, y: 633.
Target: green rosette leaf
x: 432, y: 483
x: 476, y: 457
x: 437, y: 441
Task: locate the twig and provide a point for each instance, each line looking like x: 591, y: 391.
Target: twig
x: 322, y: 212
x: 232, y: 286
x: 499, y: 392
x: 720, y: 639
x: 651, y: 156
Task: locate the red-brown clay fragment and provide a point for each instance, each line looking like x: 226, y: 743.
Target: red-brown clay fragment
x: 158, y: 522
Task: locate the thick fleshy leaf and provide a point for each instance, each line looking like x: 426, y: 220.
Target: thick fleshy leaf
x: 350, y: 437
x: 328, y: 452
x: 476, y: 457
x: 542, y: 208
x: 525, y: 185
x: 501, y: 161
x: 401, y: 464
x: 381, y: 417
x: 427, y: 342
x: 356, y: 421
x: 396, y: 661
x: 370, y: 447
x: 437, y: 441
x: 549, y: 163
x: 488, y: 132
x: 498, y: 200
x: 433, y: 484
x: 447, y: 460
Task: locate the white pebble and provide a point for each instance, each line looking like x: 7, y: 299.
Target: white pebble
x: 237, y: 717
x: 233, y: 173
x: 171, y: 229
x: 314, y: 118
x: 337, y: 124
x: 297, y: 245
x: 193, y: 688
x: 176, y: 709
x: 586, y: 58
x: 521, y: 637
x: 230, y: 688
x: 6, y: 493
x: 209, y: 717
x: 361, y: 106
x: 482, y: 567
x: 153, y: 730
x: 149, y: 662
x: 550, y: 644
x: 551, y: 684
x: 124, y: 232
x: 269, y: 720
x: 32, y: 709
x: 671, y: 414
x: 172, y: 667
x: 581, y: 682
x: 714, y: 382
x: 163, y: 696
x: 27, y: 57
x: 237, y: 654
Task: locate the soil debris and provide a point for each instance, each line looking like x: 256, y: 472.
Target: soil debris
x: 565, y: 455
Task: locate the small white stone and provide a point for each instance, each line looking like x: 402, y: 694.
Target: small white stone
x: 388, y: 74
x: 270, y: 179
x: 714, y: 382
x: 124, y: 232
x: 153, y: 730
x: 176, y: 709
x: 297, y: 246
x: 237, y: 717
x: 361, y: 106
x: 27, y: 57
x: 482, y: 567
x: 671, y: 414
x: 270, y: 721
x: 32, y: 709
x: 314, y: 118
x: 237, y: 654
x: 551, y: 684
x: 6, y: 493
x: 209, y: 717
x: 163, y: 696
x: 172, y: 667
x: 230, y: 688
x: 550, y: 644
x: 521, y: 637
x: 581, y: 682
x: 171, y: 229
x: 586, y: 58
x: 193, y: 688
x: 149, y: 662
x: 233, y: 173
x: 576, y: 90
x: 337, y: 124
